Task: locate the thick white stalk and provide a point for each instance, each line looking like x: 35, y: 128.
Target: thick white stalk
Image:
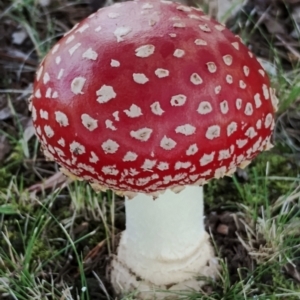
x: 168, y: 228
x: 164, y: 245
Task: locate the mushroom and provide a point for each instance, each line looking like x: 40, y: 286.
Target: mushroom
x: 152, y: 100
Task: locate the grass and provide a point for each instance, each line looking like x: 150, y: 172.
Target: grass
x: 55, y: 242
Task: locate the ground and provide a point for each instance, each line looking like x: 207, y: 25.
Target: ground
x: 57, y: 234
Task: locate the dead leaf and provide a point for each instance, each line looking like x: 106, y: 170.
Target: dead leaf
x: 56, y: 180
x: 5, y: 113
x: 19, y: 37
x: 292, y: 271
x: 29, y: 131
x: 4, y: 147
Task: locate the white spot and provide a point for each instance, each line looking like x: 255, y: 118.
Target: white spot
x: 213, y: 132
x: 219, y: 27
x: 204, y: 27
x: 60, y: 74
x: 182, y: 165
x: 167, y: 143
x: 268, y: 120
x: 147, y: 6
x: 70, y: 39
x: 110, y: 146
x: 39, y: 130
x: 140, y: 78
x: 105, y: 94
x: 195, y: 17
x: 250, y: 54
x: 82, y: 28
x: 248, y: 109
x: 229, y: 79
x: 231, y: 128
x: 274, y: 99
x: 236, y: 45
x: 161, y: 73
x: 74, y: 48
x: 204, y: 108
x: 220, y: 172
x: 37, y: 93
x: 77, y: 85
x: 130, y: 156
x: 39, y: 73
x: 179, y: 25
x: 262, y: 72
x: 61, y: 142
x: 266, y: 91
x: 142, y: 181
x: 206, y: 159
x: 109, y: 125
x: 163, y: 166
x: 224, y: 107
x: 57, y: 60
x: 48, y: 93
x: 46, y: 78
x: 97, y: 29
x: 196, y: 79
x: 179, y: 53
x: 133, y: 112
x: 224, y: 154
x: 242, y: 84
x: 110, y: 170
x: 184, y: 8
x: 51, y: 149
x: 88, y: 122
x: 120, y: 32
x: 144, y: 51
x: 238, y: 103
x: 178, y: 100
x: 257, y: 145
x: 156, y: 109
x: 142, y: 134
x: 55, y: 48
x: 227, y: 59
x: 175, y: 18
x: 86, y: 168
x: 186, y: 129
x: 61, y: 118
x: 251, y: 133
x: 257, y: 100
x: 212, y: 68
x: 246, y: 70
x: 193, y: 149
x: 48, y: 131
x: 241, y: 143
x: 200, y: 42
x: 116, y: 115
x: 113, y: 15
x: 172, y: 35
x: 90, y: 54
x: 44, y: 114
x: 258, y: 124
x: 114, y: 63
x: 148, y: 164
x: 59, y: 151
x: 218, y: 89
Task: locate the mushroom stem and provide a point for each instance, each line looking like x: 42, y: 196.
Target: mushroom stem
x: 164, y: 243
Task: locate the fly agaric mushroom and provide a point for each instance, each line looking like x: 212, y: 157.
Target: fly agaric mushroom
x: 152, y: 100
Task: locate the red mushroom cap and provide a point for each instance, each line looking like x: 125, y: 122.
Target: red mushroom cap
x: 143, y: 96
